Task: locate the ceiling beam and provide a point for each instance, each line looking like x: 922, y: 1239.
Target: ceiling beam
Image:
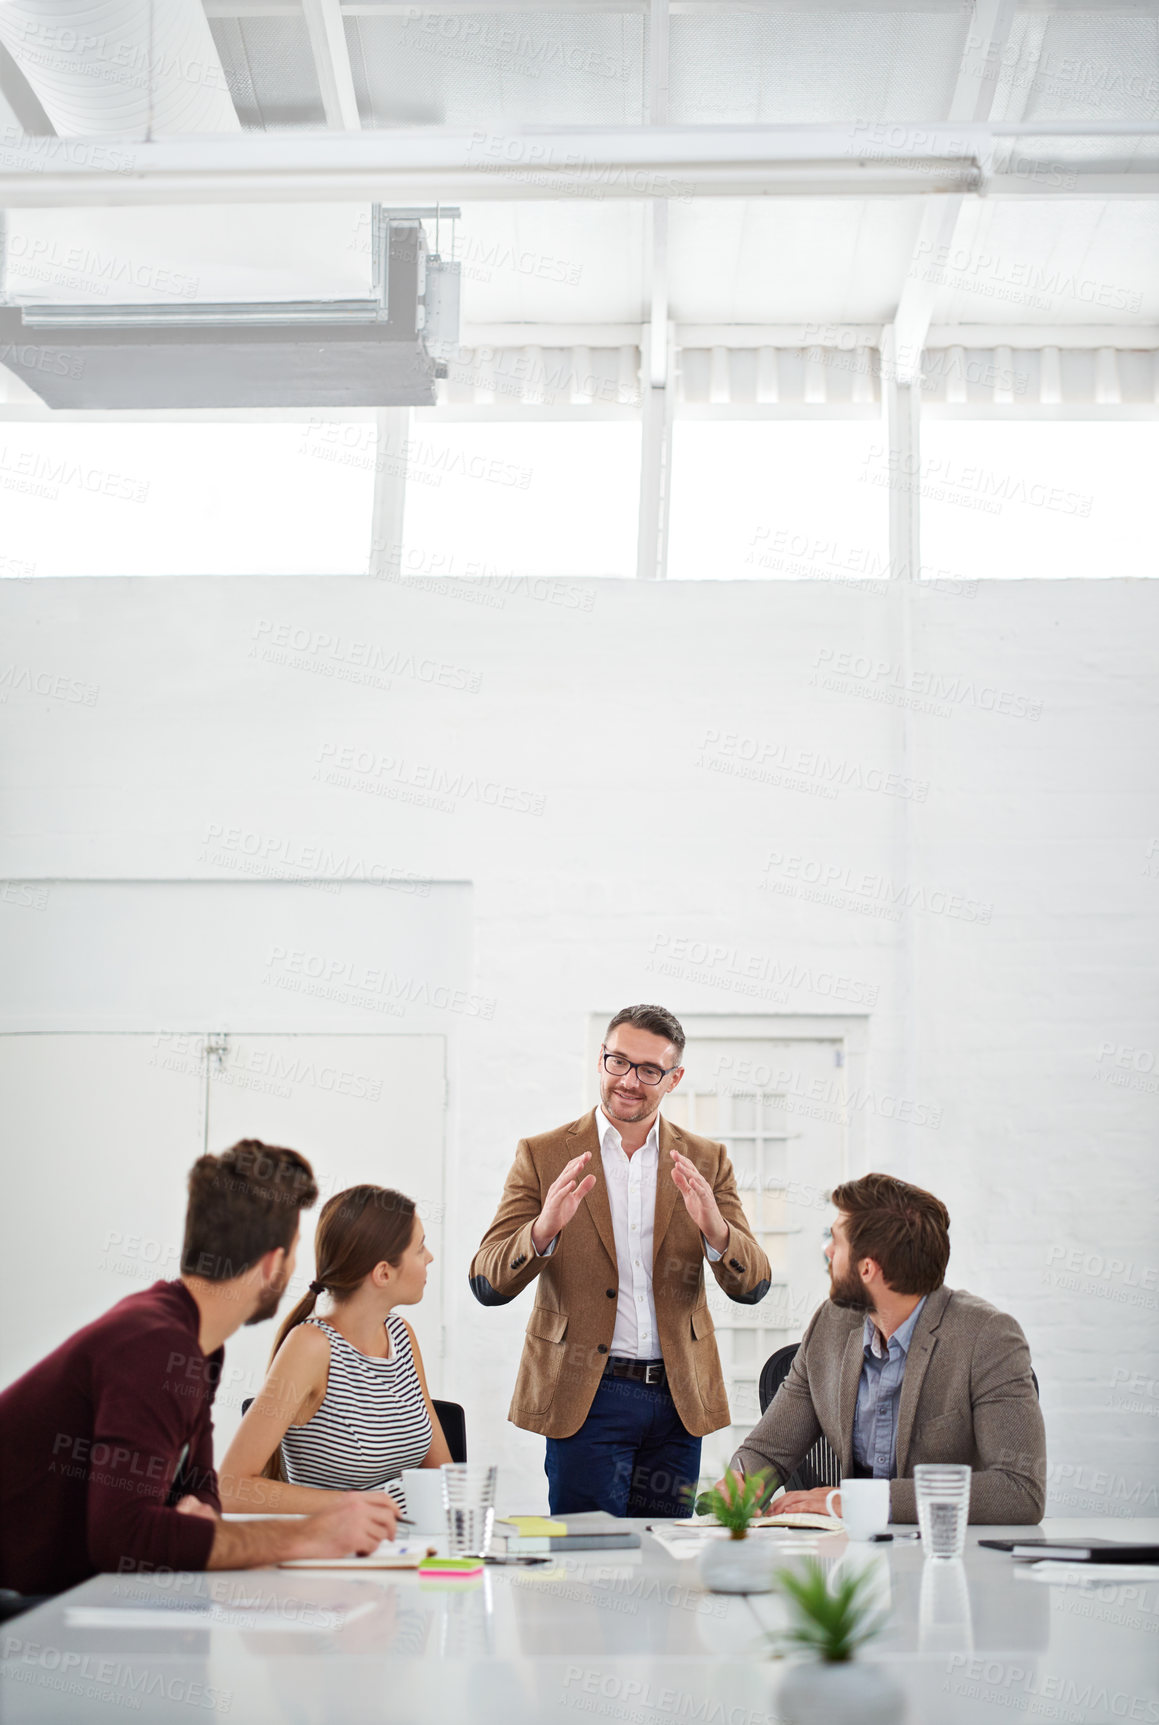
x: 632, y: 162
x: 988, y: 26
x: 327, y: 34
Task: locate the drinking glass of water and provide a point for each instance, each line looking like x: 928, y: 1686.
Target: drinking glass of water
x: 943, y: 1497
x: 469, y: 1493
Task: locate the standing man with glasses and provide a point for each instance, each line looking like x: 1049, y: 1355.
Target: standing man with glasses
x: 614, y: 1217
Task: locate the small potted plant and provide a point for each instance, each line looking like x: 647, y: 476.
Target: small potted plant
x: 738, y: 1564
x: 830, y: 1618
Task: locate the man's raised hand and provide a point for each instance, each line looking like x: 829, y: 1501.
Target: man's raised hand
x: 699, y: 1201
x: 564, y: 1197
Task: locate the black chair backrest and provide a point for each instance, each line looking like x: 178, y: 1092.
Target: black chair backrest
x: 454, y: 1423
x: 821, y: 1466
x: 450, y: 1416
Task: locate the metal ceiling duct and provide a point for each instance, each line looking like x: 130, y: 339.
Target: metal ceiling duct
x: 120, y: 68
x: 349, y: 353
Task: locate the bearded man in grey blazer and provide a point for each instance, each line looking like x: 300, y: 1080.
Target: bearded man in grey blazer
x: 896, y: 1369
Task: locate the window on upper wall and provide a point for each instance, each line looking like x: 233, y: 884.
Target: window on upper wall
x: 120, y: 497
x: 1033, y: 499
x: 494, y: 498
x: 779, y: 499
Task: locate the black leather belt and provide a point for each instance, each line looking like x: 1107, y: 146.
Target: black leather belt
x: 642, y: 1371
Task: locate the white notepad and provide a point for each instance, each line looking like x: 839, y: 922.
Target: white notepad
x: 391, y: 1554
x: 319, y: 1620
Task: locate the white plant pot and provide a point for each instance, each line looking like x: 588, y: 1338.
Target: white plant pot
x: 738, y: 1565
x: 852, y: 1693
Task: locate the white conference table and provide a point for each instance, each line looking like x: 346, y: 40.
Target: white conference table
x: 629, y: 1636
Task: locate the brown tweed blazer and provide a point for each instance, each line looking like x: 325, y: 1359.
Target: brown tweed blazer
x: 570, y: 1329
x: 967, y: 1396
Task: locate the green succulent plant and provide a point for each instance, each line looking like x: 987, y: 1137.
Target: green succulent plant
x: 830, y: 1620
x: 738, y: 1499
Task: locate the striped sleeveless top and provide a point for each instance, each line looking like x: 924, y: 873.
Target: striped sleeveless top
x: 371, y: 1424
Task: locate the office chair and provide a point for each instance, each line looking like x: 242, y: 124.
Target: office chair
x: 821, y: 1466
x: 450, y: 1416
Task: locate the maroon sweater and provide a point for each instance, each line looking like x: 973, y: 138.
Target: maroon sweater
x: 90, y: 1442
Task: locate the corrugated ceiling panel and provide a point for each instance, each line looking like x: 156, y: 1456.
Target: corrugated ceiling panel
x: 1026, y: 261
x: 794, y: 66
x: 498, y: 69
x: 270, y: 71
x: 1082, y: 65
x: 763, y: 260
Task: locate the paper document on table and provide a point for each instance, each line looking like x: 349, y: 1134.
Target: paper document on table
x: 806, y: 1518
x: 317, y: 1620
x: 1083, y: 1574
x: 391, y: 1554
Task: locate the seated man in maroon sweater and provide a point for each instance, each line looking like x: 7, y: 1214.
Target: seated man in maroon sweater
x: 106, y: 1446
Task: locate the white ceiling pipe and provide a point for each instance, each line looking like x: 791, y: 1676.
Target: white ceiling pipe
x: 120, y: 68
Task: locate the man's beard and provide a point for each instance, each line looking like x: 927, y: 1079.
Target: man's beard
x: 270, y: 1302
x: 849, y: 1291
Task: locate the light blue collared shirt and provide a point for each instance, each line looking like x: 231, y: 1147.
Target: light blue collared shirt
x: 878, y: 1394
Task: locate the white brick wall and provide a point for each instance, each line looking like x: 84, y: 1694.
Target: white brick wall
x: 1015, y: 996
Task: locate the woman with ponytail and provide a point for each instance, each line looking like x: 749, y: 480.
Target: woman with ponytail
x: 345, y: 1405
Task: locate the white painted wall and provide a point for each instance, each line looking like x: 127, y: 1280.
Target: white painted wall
x: 590, y: 740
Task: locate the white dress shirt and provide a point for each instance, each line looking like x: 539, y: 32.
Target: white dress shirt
x: 632, y: 1195
x: 631, y: 1183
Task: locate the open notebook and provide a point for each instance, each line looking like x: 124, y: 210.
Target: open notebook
x: 820, y: 1523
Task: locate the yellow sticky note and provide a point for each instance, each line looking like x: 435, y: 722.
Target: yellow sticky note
x: 537, y: 1526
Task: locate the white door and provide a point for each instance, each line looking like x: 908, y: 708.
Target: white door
x: 103, y: 1129
x: 779, y: 1108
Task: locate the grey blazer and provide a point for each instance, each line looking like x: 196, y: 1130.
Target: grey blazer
x: 967, y: 1396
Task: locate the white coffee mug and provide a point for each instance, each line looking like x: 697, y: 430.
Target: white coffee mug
x: 864, y: 1506
x: 425, y: 1507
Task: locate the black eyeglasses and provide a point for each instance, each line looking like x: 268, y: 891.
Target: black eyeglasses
x: 619, y: 1066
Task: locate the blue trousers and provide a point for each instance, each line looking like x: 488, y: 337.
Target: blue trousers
x: 631, y: 1456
